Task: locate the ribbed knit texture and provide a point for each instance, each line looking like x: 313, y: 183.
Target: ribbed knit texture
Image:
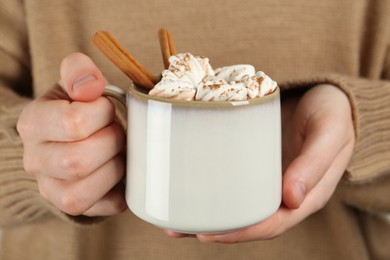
x: 371, y: 114
x: 298, y: 43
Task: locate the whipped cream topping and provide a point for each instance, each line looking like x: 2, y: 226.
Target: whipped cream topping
x: 192, y: 78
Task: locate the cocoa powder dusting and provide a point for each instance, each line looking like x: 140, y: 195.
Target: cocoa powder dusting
x: 260, y: 80
x: 214, y: 86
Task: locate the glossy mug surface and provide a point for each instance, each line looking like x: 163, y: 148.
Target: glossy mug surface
x: 203, y: 167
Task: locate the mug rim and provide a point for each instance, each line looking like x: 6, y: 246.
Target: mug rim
x: 141, y: 94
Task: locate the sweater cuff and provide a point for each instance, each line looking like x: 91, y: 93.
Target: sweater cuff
x: 371, y: 116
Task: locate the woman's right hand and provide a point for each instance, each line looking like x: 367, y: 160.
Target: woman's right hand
x: 72, y: 144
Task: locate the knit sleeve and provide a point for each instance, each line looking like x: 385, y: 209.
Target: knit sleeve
x: 371, y: 114
x: 18, y: 192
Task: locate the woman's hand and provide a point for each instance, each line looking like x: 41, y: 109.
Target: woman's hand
x: 72, y: 144
x: 318, y: 139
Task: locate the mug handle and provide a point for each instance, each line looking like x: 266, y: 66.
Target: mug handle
x: 116, y: 93
x: 119, y: 95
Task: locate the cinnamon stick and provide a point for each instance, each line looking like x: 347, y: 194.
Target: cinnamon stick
x: 172, y: 47
x: 126, y: 62
x: 167, y: 45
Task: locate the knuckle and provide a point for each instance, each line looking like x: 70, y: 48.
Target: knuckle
x: 72, y: 164
x: 71, y: 202
x: 73, y: 122
x: 23, y: 126
x: 29, y: 164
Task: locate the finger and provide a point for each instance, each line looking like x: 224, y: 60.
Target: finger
x: 80, y: 77
x: 320, y: 148
x: 324, y: 189
x: 266, y: 229
x: 112, y: 203
x: 76, y: 197
x: 64, y: 121
x: 75, y: 160
x: 283, y: 219
x: 174, y: 234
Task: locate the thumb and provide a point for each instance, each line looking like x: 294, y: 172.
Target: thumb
x: 80, y: 78
x: 319, y: 150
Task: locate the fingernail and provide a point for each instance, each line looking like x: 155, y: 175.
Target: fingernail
x: 83, y: 80
x: 300, y: 191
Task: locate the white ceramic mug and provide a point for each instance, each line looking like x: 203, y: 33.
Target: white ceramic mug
x: 202, y: 167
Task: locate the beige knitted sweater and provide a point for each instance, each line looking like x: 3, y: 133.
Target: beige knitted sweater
x: 299, y: 43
